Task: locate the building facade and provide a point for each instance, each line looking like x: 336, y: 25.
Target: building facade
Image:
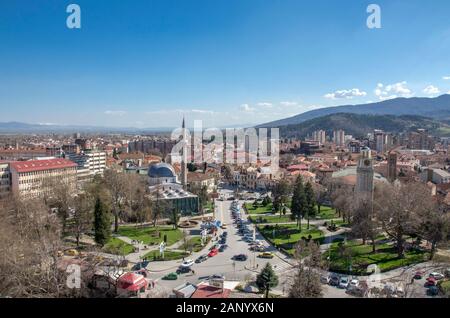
x: 35, y: 178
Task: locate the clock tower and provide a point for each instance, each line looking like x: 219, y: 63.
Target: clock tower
x: 364, y: 176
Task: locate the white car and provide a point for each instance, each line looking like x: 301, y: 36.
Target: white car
x: 354, y: 283
x: 344, y: 282
x: 187, y: 263
x: 437, y: 276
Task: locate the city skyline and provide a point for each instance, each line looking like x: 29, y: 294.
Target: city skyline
x: 226, y: 63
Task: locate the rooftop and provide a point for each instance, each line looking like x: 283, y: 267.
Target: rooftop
x: 40, y: 165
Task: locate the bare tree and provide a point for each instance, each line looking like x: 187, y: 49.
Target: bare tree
x: 83, y: 216
x: 306, y: 282
x: 115, y: 183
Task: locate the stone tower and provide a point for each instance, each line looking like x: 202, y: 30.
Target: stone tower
x: 184, y: 158
x: 364, y: 177
x: 392, y: 167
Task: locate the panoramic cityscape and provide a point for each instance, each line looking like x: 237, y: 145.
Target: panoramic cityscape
x: 200, y: 150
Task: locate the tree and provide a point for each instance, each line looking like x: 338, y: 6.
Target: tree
x: 115, y: 183
x: 298, y: 201
x: 59, y: 195
x: 310, y: 202
x: 102, y: 225
x: 280, y: 194
x: 267, y: 279
x: 203, y: 198
x: 227, y: 173
x: 321, y: 195
x: 433, y: 225
x: 364, y: 224
x: 398, y: 207
x: 306, y: 282
x: 82, y: 219
x: 174, y: 217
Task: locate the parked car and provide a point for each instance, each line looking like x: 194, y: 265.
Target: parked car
x: 213, y: 252
x: 201, y: 259
x: 431, y: 281
x: 223, y: 247
x: 334, y: 280
x: 324, y: 279
x: 433, y: 291
x: 437, y: 276
x: 354, y: 283
x: 418, y: 275
x: 257, y: 248
x: 72, y: 252
x: 187, y: 263
x: 265, y: 255
x: 240, y: 257
x: 217, y: 276
x: 171, y: 276
x: 344, y: 282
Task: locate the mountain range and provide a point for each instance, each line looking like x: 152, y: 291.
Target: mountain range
x: 438, y: 108
x: 359, y: 125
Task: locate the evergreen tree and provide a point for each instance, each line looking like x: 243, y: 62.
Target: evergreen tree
x: 310, y: 197
x: 102, y: 224
x: 267, y: 279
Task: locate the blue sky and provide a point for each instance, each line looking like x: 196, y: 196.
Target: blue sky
x: 146, y: 63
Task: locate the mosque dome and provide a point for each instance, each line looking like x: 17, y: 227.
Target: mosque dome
x: 161, y: 170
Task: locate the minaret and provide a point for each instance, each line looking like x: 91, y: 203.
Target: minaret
x: 364, y: 176
x: 184, y: 159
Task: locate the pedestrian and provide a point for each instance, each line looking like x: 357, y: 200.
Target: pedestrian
x: 193, y: 272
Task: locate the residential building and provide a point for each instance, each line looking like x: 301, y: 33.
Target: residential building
x: 89, y: 163
x: 5, y: 179
x: 339, y: 138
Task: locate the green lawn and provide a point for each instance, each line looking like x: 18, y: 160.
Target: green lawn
x: 196, y: 243
x: 271, y: 219
x: 169, y: 255
x: 259, y: 210
x: 286, y: 236
x: 118, y: 247
x: 149, y: 234
x: 360, y: 256
x: 327, y: 212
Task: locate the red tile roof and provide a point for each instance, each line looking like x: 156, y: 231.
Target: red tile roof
x: 39, y: 165
x: 206, y: 291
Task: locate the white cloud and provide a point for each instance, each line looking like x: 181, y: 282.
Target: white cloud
x: 446, y: 78
x: 247, y: 108
x: 346, y: 93
x: 392, y: 91
x: 265, y: 104
x: 115, y: 112
x: 288, y: 103
x: 202, y: 111
x: 431, y: 90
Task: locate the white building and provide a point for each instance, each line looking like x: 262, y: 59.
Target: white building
x: 5, y: 179
x: 89, y: 163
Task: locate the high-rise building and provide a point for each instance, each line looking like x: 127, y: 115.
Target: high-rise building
x: 339, y: 137
x: 379, y: 137
x: 364, y: 177
x: 89, y: 163
x: 420, y: 140
x: 319, y: 136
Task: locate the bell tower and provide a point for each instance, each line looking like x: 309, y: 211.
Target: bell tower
x: 364, y: 176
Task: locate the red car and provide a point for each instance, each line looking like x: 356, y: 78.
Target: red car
x: 213, y: 252
x: 418, y: 275
x: 430, y: 282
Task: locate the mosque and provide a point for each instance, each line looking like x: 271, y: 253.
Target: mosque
x: 163, y: 179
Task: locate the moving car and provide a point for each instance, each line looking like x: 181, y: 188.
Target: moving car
x: 171, y: 276
x: 140, y: 265
x: 201, y: 259
x: 217, y: 276
x: 266, y: 255
x: 240, y: 257
x: 344, y: 282
x: 223, y: 226
x: 183, y: 270
x: 257, y: 248
x: 213, y: 252
x: 433, y: 291
x: 354, y: 283
x: 187, y: 263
